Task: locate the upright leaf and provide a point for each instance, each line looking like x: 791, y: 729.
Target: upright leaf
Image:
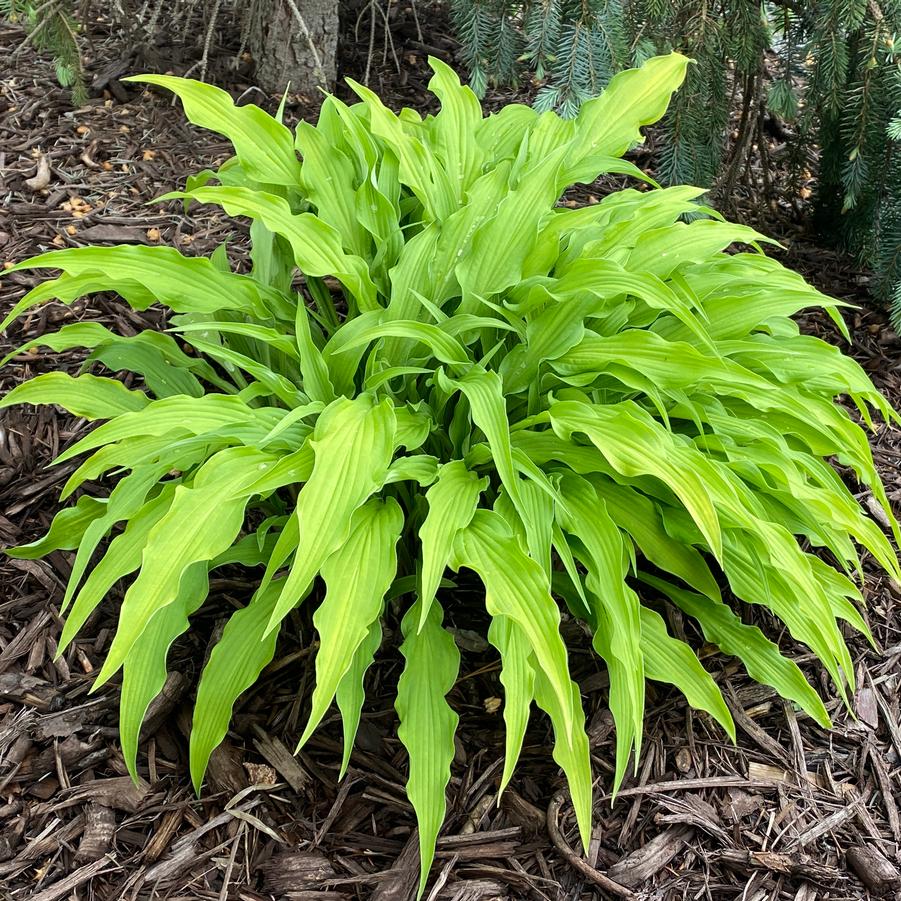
x: 608, y: 125
x: 316, y: 245
x: 263, y: 145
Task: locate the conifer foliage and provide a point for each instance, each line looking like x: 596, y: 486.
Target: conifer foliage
x: 827, y: 71
x: 53, y: 27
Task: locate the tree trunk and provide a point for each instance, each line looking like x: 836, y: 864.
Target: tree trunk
x: 294, y: 41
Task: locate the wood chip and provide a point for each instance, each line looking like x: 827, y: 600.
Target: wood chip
x: 650, y: 858
x: 285, y: 763
x: 99, y: 829
x: 796, y: 865
x: 114, y: 234
x: 877, y: 873
x: 293, y: 869
x: 118, y: 792
x: 828, y: 824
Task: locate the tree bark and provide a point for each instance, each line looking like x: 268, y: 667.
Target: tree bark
x: 294, y: 41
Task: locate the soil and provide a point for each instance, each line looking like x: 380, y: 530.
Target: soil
x: 791, y: 812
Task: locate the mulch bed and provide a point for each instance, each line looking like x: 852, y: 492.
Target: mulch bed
x: 791, y: 812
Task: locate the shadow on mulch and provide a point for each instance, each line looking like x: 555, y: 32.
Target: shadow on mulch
x: 792, y: 812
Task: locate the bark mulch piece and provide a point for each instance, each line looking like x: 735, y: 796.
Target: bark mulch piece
x: 793, y: 812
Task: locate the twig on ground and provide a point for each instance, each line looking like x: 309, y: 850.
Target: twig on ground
x: 585, y: 868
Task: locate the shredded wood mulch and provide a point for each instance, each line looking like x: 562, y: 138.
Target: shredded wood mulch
x: 792, y: 812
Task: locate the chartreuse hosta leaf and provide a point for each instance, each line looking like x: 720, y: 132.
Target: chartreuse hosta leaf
x: 88, y: 396
x: 427, y: 722
x: 125, y: 500
x: 452, y: 502
x: 265, y: 149
x: 352, y: 447
x: 162, y: 364
x: 615, y: 609
x: 518, y: 678
x: 608, y: 125
x: 234, y: 665
x: 142, y: 275
x: 123, y: 557
x: 356, y: 578
x: 316, y: 245
x: 65, y: 531
x: 760, y: 656
x: 517, y: 589
x: 144, y: 672
x: 433, y: 365
x: 666, y: 659
x: 351, y: 694
x: 217, y: 499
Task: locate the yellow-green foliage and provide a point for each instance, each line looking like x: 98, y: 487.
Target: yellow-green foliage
x: 598, y: 407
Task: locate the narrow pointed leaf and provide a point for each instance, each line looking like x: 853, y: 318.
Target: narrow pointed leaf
x: 760, y: 656
x: 237, y: 660
x: 427, y: 722
x: 356, y: 578
x: 88, y: 396
x: 350, y: 694
x: 516, y: 587
x: 518, y: 678
x: 144, y: 673
x: 666, y: 659
x: 452, y: 502
x: 353, y: 443
x: 263, y: 145
x: 175, y: 543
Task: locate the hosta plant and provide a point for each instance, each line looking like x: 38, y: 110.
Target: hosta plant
x: 432, y: 366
